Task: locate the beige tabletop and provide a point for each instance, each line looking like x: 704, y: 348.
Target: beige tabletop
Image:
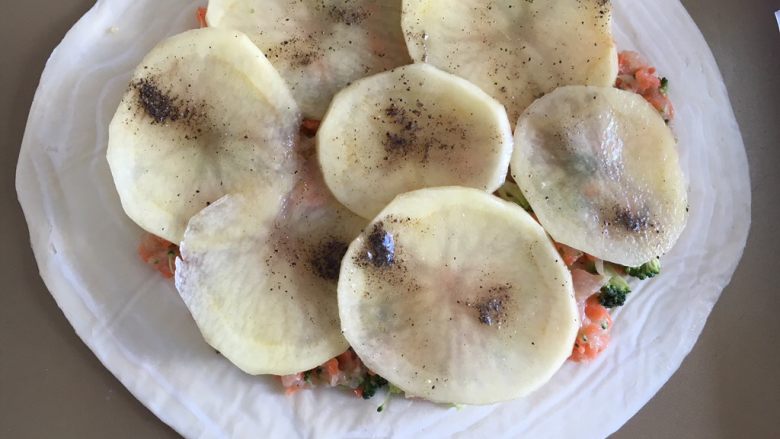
x: 51, y: 385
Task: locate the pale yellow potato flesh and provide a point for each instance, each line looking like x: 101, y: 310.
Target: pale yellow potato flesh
x: 456, y: 296
x: 601, y: 171
x: 411, y: 128
x: 205, y: 115
x: 259, y: 275
x: 319, y: 46
x: 515, y: 50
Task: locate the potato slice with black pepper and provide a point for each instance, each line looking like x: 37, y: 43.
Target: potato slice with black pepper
x: 259, y: 275
x: 411, y: 128
x: 513, y: 49
x: 457, y: 296
x: 205, y: 115
x: 319, y: 46
x: 601, y: 171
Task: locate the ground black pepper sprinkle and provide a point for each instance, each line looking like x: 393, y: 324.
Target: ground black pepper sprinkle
x: 402, y: 141
x: 631, y: 221
x: 157, y: 104
x: 490, y: 311
x: 347, y: 15
x: 326, y: 261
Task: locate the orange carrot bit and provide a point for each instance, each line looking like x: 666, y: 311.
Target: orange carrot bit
x: 358, y: 392
x: 159, y: 253
x: 629, y: 62
x: 332, y: 367
x: 594, y: 334
x: 661, y: 102
x: 293, y: 383
x: 201, y: 14
x: 647, y: 80
x: 292, y: 390
x: 332, y: 371
x: 349, y: 361
x: 570, y: 255
x: 309, y: 127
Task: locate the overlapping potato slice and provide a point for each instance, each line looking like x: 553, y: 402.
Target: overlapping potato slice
x: 410, y: 128
x: 457, y: 296
x: 258, y: 273
x: 205, y: 115
x: 515, y: 50
x: 319, y: 46
x: 601, y: 170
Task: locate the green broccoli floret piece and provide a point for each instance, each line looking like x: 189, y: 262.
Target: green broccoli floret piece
x: 371, y: 384
x: 614, y: 293
x: 392, y: 389
x: 511, y: 192
x: 646, y: 270
x: 664, y: 86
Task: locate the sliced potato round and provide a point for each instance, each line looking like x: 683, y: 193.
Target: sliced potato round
x: 319, y: 46
x: 258, y: 273
x: 205, y: 115
x: 600, y: 168
x: 515, y: 50
x: 411, y: 128
x: 457, y: 296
